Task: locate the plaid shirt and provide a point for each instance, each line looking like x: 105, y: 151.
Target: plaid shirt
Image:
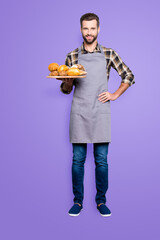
x: 112, y: 59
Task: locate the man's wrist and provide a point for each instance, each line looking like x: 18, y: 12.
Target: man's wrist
x: 123, y: 87
x: 115, y: 95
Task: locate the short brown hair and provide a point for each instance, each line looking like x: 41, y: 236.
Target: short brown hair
x: 88, y: 17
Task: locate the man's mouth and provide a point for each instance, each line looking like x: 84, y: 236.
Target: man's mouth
x: 89, y: 37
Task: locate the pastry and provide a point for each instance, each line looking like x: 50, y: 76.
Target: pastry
x: 79, y: 66
x: 54, y: 73
x: 63, y: 73
x: 73, y: 71
x: 53, y: 67
x: 62, y: 68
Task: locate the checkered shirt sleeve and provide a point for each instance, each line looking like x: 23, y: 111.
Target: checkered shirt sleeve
x: 123, y: 70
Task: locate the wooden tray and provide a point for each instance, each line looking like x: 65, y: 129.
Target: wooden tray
x: 79, y: 76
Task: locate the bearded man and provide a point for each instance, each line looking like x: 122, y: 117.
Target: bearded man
x: 90, y: 116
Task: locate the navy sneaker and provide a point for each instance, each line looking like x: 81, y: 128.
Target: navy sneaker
x: 104, y: 210
x: 75, y: 209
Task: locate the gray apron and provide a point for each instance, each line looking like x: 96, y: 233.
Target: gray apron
x: 90, y: 119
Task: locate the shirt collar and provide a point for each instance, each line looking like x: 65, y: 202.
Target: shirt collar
x: 83, y: 50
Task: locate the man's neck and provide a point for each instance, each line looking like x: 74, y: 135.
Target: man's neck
x: 90, y: 47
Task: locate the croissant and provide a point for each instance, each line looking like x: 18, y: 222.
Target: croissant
x: 73, y: 71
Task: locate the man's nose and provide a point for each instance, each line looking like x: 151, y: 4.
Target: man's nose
x: 89, y: 31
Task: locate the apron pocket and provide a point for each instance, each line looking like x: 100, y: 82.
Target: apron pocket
x: 80, y: 128
x: 103, y: 107
x: 102, y: 127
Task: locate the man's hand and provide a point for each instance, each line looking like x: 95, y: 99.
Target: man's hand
x: 106, y: 96
x: 67, y: 84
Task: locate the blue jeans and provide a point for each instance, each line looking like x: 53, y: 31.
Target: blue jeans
x: 101, y: 171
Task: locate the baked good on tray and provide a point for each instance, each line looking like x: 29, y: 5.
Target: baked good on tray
x: 63, y: 70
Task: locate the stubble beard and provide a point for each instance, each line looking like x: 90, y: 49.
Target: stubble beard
x: 89, y: 42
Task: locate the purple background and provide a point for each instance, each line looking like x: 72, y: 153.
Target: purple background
x: 36, y: 155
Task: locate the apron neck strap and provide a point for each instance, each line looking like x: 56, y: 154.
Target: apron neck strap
x: 79, y: 49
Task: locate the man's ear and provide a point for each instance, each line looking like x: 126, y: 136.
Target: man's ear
x: 98, y: 29
x: 80, y: 29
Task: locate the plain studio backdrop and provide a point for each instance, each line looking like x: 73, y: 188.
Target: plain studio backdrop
x: 36, y: 155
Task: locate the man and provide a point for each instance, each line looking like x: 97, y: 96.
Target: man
x: 90, y: 120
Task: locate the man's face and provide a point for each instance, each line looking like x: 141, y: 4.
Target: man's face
x: 89, y: 31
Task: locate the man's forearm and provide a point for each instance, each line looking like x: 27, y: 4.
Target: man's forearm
x: 122, y: 88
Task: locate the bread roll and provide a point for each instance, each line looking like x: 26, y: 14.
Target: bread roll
x: 54, y: 73
x: 62, y: 68
x: 63, y: 73
x: 53, y: 67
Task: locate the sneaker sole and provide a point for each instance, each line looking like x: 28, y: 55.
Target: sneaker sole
x: 75, y: 215
x: 106, y: 215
